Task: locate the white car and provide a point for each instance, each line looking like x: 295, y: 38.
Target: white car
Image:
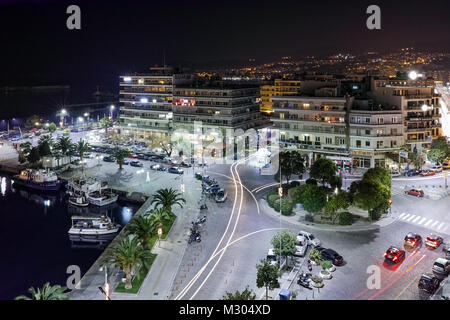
x: 272, y: 257
x: 441, y: 266
x: 395, y: 173
x: 301, y: 247
x: 310, y: 238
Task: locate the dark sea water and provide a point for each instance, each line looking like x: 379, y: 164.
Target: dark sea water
x: 34, y: 244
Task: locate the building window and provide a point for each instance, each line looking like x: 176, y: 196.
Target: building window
x: 328, y: 141
x: 358, y: 143
x: 367, y: 120
x: 368, y: 132
x: 358, y: 120
x: 367, y: 143
x: 380, y: 120
x: 379, y: 144
x: 317, y: 139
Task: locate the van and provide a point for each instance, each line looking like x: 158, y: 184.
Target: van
x: 272, y: 257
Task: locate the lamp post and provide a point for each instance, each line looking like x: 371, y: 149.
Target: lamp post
x: 63, y: 114
x: 111, y: 109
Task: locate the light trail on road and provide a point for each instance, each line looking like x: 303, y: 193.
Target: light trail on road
x: 233, y: 170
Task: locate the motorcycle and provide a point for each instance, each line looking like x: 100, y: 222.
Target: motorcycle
x: 304, y: 280
x: 200, y: 220
x: 194, y: 237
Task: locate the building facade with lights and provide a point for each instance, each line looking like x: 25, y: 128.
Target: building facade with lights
x: 281, y: 87
x: 146, y: 103
x: 420, y: 106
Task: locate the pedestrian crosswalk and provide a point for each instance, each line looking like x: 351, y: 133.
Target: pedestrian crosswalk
x: 432, y: 224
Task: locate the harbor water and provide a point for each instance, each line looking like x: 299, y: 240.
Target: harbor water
x: 34, y: 242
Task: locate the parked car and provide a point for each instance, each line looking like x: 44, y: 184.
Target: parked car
x: 136, y: 163
x: 415, y: 192
x: 158, y: 167
x: 413, y: 240
x: 126, y: 162
x: 301, y: 246
x: 142, y: 156
x: 425, y: 173
x: 312, y: 240
x: 436, y: 168
x: 109, y: 159
x: 412, y: 172
x: 221, y: 195
x: 272, y: 257
x: 395, y: 173
x: 332, y: 256
x: 441, y: 266
x: 185, y: 164
x: 156, y: 159
x: 446, y: 250
x: 445, y: 295
x: 394, y: 255
x: 433, y: 241
x: 429, y: 282
x: 175, y: 170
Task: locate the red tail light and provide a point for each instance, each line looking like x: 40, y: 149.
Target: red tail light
x: 385, y: 254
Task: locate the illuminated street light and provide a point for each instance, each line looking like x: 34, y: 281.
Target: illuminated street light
x: 80, y: 119
x: 413, y: 75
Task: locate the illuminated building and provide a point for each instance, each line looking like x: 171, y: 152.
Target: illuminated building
x: 281, y: 87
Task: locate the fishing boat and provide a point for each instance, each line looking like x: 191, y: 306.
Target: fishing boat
x: 38, y: 179
x: 78, y: 200
x: 92, y: 226
x: 84, y: 185
x: 102, y: 197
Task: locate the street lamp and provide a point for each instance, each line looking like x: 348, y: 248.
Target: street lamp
x: 63, y: 117
x: 111, y: 109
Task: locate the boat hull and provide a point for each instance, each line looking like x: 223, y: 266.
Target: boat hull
x: 103, y: 202
x: 92, y: 232
x: 42, y: 186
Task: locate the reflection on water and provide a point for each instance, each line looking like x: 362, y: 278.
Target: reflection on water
x: 34, y: 240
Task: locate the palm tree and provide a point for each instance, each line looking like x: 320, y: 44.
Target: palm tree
x: 81, y: 148
x: 166, y: 198
x: 127, y: 255
x: 47, y: 292
x: 157, y: 217
x: 63, y: 144
x: 142, y: 227
x: 120, y: 155
x: 106, y: 122
x: 46, y: 138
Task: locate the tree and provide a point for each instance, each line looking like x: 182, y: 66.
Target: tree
x: 157, y: 217
x: 127, y: 255
x: 291, y: 163
x: 167, y: 147
x: 381, y: 175
x: 47, y: 292
x: 336, y: 203
x: 437, y: 155
x: 45, y: 145
x: 106, y: 123
x: 63, y: 144
x: 287, y: 244
x: 167, y: 198
x: 247, y: 294
x: 33, y: 121
x: 371, y: 195
x: 81, y: 148
x: 313, y: 198
x: 143, y: 228
x: 52, y: 127
x: 440, y: 143
x: 267, y: 276
x: 416, y: 158
x: 120, y: 155
x: 34, y: 156
x: 323, y: 169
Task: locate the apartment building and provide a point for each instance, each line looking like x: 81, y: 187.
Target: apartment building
x: 314, y: 125
x: 281, y: 87
x: 419, y: 105
x: 146, y: 103
x: 219, y: 106
x: 376, y: 137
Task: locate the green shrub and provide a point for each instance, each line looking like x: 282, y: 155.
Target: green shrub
x: 287, y: 206
x: 345, y: 218
x: 315, y: 255
x: 326, y: 265
x: 295, y: 194
x: 294, y: 184
x: 309, y: 217
x: 311, y: 181
x: 271, y: 200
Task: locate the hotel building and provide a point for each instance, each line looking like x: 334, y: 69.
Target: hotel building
x: 281, y: 87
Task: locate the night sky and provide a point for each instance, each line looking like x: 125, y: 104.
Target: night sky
x: 124, y: 36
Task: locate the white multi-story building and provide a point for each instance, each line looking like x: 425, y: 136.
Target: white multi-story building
x: 313, y: 125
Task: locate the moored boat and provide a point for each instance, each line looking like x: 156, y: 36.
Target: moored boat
x: 92, y: 226
x: 102, y: 197
x: 78, y: 200
x: 38, y: 179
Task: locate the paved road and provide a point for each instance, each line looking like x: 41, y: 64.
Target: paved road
x: 249, y: 233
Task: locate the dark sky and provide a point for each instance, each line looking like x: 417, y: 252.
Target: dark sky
x: 123, y: 36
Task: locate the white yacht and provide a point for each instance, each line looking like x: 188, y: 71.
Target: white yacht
x: 92, y: 226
